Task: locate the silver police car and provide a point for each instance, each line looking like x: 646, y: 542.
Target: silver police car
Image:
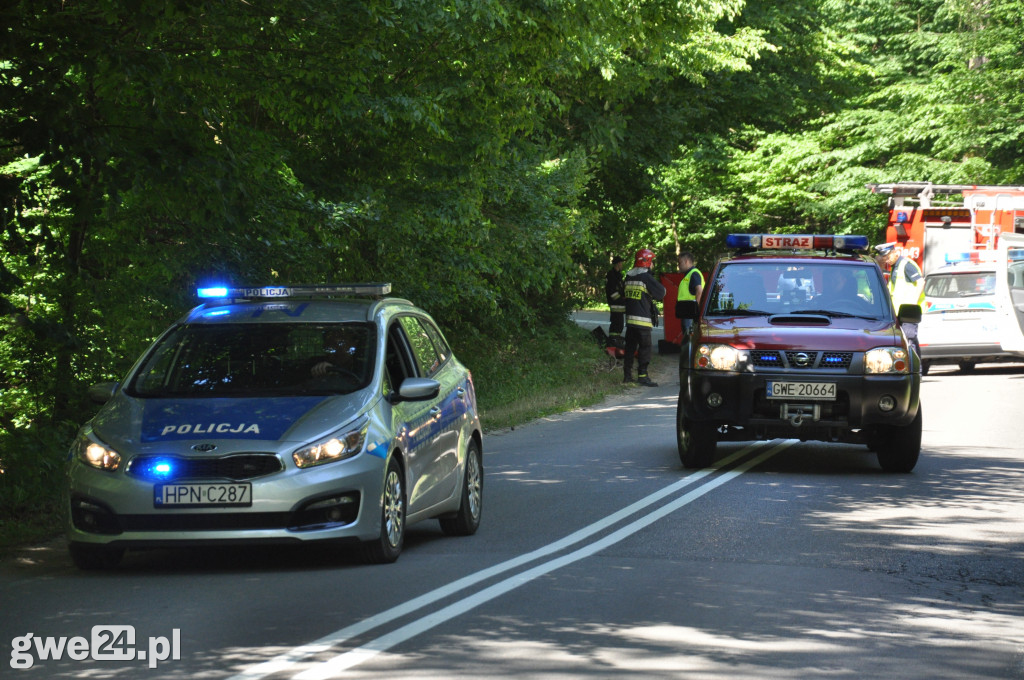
x: 280, y: 414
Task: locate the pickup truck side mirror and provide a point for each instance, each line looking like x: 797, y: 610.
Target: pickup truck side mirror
x: 909, y: 314
x: 686, y: 309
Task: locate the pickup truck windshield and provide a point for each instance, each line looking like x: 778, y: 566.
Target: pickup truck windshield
x: 839, y: 289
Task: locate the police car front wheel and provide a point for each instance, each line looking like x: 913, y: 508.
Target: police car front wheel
x: 388, y: 545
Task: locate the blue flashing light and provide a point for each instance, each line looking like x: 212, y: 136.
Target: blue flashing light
x: 984, y: 256
x: 159, y: 469
x: 218, y: 292
x: 973, y: 257
x: 741, y: 241
x: 901, y: 216
x: 833, y: 360
x: 851, y: 242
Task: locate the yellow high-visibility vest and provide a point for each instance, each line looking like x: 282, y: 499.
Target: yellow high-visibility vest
x: 906, y: 283
x: 684, y: 285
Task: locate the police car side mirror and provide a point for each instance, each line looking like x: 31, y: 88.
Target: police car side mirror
x: 101, y: 392
x: 416, y: 389
x: 909, y: 314
x: 686, y: 309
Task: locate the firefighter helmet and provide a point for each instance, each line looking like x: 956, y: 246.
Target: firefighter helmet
x: 644, y: 258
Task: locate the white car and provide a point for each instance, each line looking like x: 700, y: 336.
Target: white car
x: 959, y: 324
x: 1010, y: 293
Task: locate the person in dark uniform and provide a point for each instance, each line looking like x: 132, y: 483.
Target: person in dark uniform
x: 642, y: 292
x: 615, y: 293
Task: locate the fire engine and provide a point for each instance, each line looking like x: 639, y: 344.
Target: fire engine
x: 927, y: 222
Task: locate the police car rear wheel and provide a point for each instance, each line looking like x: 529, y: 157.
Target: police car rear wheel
x: 467, y: 519
x: 696, y: 441
x: 388, y: 546
x: 898, y: 448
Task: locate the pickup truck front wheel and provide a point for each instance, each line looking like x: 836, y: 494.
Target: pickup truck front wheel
x: 696, y: 441
x: 898, y: 447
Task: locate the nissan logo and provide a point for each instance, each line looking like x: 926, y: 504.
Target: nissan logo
x: 204, y: 448
x: 802, y: 359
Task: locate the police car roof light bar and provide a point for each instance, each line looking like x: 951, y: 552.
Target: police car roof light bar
x: 984, y: 256
x: 846, y: 243
x: 973, y: 257
x: 277, y: 292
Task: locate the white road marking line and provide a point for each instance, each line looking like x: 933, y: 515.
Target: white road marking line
x: 285, y: 661
x: 342, y: 662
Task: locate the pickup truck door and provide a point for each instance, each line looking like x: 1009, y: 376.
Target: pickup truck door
x: 1010, y: 292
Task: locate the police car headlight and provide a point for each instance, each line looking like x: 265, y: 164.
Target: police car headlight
x: 886, y: 360
x: 718, y: 357
x: 337, y: 447
x: 94, y: 454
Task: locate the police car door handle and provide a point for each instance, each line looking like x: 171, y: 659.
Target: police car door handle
x: 435, y: 412
x: 461, y: 393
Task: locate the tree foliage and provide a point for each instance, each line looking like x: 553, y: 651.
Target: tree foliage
x: 486, y: 156
x: 919, y: 90
x: 461, y: 149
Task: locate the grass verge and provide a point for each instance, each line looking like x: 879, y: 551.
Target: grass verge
x: 534, y: 376
x: 28, y: 529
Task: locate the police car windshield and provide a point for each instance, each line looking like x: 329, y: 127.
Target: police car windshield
x: 768, y: 287
x: 963, y: 284
x: 258, y: 360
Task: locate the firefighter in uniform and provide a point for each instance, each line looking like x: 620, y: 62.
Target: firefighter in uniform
x: 690, y: 287
x: 642, y: 292
x: 615, y: 292
x: 906, y: 284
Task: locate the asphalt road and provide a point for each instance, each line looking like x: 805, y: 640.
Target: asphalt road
x: 600, y: 557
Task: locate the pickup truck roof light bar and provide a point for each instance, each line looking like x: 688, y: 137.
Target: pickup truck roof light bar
x: 844, y: 243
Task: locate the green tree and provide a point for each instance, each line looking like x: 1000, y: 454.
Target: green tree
x: 924, y: 90
x: 463, y: 150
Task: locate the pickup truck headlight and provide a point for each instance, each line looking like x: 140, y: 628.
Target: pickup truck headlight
x: 94, y: 454
x: 886, y: 360
x: 336, y: 447
x: 718, y: 357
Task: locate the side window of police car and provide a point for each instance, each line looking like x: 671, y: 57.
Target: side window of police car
x: 440, y: 345
x: 427, y: 356
x: 397, y: 362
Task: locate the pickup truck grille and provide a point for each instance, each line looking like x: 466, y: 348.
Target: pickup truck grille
x: 800, y: 359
